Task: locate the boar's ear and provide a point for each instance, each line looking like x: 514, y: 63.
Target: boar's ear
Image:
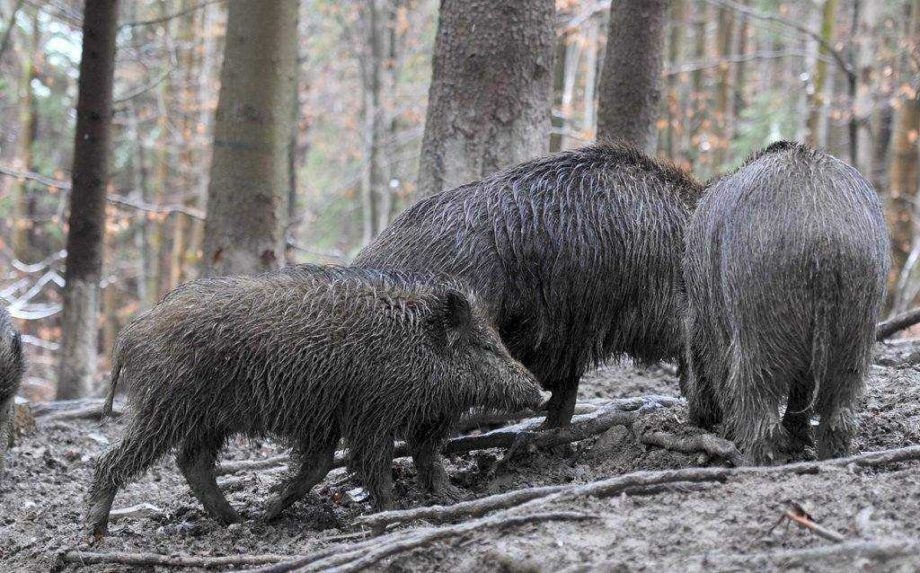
x: 456, y: 316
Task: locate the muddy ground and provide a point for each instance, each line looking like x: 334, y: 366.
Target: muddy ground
x: 711, y: 528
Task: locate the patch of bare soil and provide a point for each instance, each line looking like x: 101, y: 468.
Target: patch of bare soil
x: 711, y: 526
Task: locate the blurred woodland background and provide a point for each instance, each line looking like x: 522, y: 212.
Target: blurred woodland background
x: 336, y: 94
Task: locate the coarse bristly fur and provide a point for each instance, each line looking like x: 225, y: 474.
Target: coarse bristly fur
x: 11, y: 369
x: 576, y: 256
x: 311, y: 355
x: 785, y: 271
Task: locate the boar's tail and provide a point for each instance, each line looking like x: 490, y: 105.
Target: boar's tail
x: 116, y: 372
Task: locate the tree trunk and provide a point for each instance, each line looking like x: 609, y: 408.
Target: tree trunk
x: 629, y: 92
x: 905, y: 175
x: 571, y: 62
x: 24, y: 225
x: 372, y: 176
x: 723, y: 111
x: 588, y: 120
x: 490, y: 97
x: 247, y: 193
x: 866, y: 48
x: 87, y: 200
x: 817, y: 109
x: 674, y: 105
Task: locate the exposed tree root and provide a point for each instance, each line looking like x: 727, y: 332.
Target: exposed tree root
x: 158, y: 560
x: 613, y: 486
x: 523, y: 434
x: 897, y: 323
x: 83, y: 409
x: 366, y: 554
x: 707, y: 443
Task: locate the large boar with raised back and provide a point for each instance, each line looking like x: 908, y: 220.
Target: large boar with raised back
x: 11, y: 367
x: 785, y: 271
x: 310, y: 355
x: 576, y: 256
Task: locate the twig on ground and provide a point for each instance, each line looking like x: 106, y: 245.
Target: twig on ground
x: 140, y: 510
x: 707, y: 443
x: 158, y: 560
x: 368, y: 554
x: 797, y: 514
x: 897, y: 323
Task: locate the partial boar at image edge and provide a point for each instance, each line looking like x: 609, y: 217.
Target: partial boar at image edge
x: 576, y: 256
x: 310, y: 355
x: 785, y: 270
x: 11, y: 369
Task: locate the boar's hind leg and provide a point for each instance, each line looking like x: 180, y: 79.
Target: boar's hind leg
x: 137, y: 451
x: 836, y: 397
x: 754, y: 422
x: 314, y: 466
x: 197, y: 465
x: 798, y: 413
x: 425, y: 443
x: 561, y: 405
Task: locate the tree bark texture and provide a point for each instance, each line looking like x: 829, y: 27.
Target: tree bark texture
x: 490, y: 97
x: 629, y: 87
x: 248, y: 189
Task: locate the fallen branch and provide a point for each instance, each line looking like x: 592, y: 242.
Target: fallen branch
x: 614, y: 486
x: 897, y: 323
x: 707, y: 443
x: 158, y: 560
x: 368, y: 554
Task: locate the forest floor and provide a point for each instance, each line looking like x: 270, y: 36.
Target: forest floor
x: 712, y: 526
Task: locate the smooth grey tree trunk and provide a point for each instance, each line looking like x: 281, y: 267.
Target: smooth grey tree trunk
x: 248, y: 188
x: 629, y: 85
x: 77, y: 366
x: 490, y: 98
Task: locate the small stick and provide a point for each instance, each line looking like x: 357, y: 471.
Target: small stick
x: 799, y: 516
x: 158, y: 560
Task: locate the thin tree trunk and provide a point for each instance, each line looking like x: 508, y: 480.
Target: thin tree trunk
x: 723, y: 111
x: 24, y: 225
x: 818, y: 104
x: 866, y: 53
x: 372, y: 175
x: 629, y: 92
x: 905, y: 174
x: 490, y: 97
x: 247, y: 192
x: 571, y: 62
x: 589, y: 119
x: 87, y: 200
x: 739, y: 99
x: 674, y: 105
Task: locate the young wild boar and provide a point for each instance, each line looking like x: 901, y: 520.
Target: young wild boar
x: 576, y: 257
x: 311, y: 355
x: 785, y: 272
x: 11, y: 367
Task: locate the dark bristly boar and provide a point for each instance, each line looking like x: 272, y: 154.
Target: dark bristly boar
x: 576, y: 256
x: 11, y: 367
x: 310, y: 355
x: 785, y: 272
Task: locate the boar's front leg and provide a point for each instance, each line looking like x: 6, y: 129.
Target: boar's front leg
x: 373, y: 462
x: 425, y: 441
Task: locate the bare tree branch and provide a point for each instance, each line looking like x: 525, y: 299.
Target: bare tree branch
x: 168, y: 17
x: 897, y: 323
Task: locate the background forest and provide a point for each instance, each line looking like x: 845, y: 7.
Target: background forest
x: 734, y: 76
